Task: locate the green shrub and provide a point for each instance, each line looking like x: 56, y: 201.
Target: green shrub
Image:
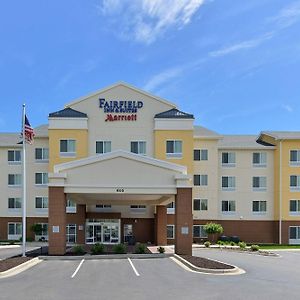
x: 37, y: 229
x: 207, y: 244
x: 29, y: 239
x: 232, y: 243
x: 221, y: 243
x: 12, y: 242
x: 97, y: 249
x: 78, y: 249
x: 213, y: 229
x: 254, y: 247
x: 242, y: 245
x: 140, y: 249
x: 119, y: 249
x: 161, y: 249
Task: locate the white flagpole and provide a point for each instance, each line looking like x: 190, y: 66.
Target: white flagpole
x: 24, y: 185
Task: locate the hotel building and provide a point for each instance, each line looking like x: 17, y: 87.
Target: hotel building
x: 121, y: 164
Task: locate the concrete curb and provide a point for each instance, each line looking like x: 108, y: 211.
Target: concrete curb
x: 20, y: 268
x: 107, y: 256
x: 234, y: 271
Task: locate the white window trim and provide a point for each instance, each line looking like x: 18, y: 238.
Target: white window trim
x: 294, y: 241
x: 14, y: 209
x: 138, y: 210
x: 13, y: 236
x: 294, y: 163
x: 173, y: 232
x: 229, y: 212
x: 200, y: 200
x: 139, y: 141
x: 259, y: 165
x: 171, y: 210
x: 41, y: 160
x: 229, y: 188
x: 15, y: 185
x: 14, y: 162
x: 73, y: 234
x: 71, y: 209
x: 68, y: 153
x: 199, y: 237
x: 103, y: 141
x: 41, y: 184
x: 42, y: 209
x: 294, y: 188
x: 294, y: 213
x: 229, y: 164
x: 264, y: 212
x: 175, y: 155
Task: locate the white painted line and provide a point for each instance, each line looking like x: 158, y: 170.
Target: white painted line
x: 77, y: 269
x: 133, y: 267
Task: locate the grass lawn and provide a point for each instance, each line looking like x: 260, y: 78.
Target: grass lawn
x: 276, y: 246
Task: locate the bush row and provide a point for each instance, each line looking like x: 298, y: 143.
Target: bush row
x: 242, y: 245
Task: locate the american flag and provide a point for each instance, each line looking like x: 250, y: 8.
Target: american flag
x: 29, y: 134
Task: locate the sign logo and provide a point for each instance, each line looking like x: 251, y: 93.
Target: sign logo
x: 120, y: 110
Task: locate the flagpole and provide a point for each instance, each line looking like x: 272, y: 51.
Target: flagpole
x: 24, y: 184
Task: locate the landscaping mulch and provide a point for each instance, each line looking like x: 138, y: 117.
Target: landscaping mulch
x: 205, y: 263
x: 12, y: 262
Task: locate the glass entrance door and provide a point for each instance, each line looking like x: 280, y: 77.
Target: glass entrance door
x: 102, y: 231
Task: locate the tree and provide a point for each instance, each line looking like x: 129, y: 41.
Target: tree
x: 37, y: 229
x: 212, y: 229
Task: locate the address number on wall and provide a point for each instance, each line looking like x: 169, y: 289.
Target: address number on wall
x: 120, y: 190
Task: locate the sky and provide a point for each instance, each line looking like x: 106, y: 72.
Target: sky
x: 234, y: 64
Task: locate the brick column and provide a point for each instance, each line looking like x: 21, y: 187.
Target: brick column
x: 81, y: 212
x: 57, y: 221
x: 161, y: 225
x: 183, y: 221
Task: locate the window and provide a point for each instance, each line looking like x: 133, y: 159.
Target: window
x: 170, y: 231
x: 14, y: 179
x: 174, y: 149
x: 228, y: 206
x: 199, y: 232
x: 103, y: 147
x: 294, y: 234
x: 103, y: 206
x: 71, y: 233
x: 294, y: 182
x: 67, y: 148
x: 200, y: 154
x: 228, y: 159
x: 71, y: 206
x: 14, y: 203
x: 14, y: 231
x: 259, y: 183
x: 259, y: 159
x: 138, y: 208
x: 41, y: 203
x: 259, y: 206
x: 201, y: 180
x: 42, y: 154
x: 228, y: 183
x: 294, y: 207
x: 14, y: 156
x: 41, y: 178
x: 295, y: 157
x: 200, y: 204
x: 138, y: 147
x: 171, y: 208
x: 44, y: 230
x: 128, y: 232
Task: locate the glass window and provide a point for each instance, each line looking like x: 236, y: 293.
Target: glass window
x: 103, y: 206
x: 200, y: 154
x: 294, y: 206
x: 259, y: 182
x: 259, y: 159
x: 103, y: 147
x: 294, y: 232
x: 41, y: 178
x: 14, y: 156
x: 174, y: 148
x: 170, y: 231
x: 71, y: 233
x: 41, y: 202
x: 14, y: 203
x: 200, y: 204
x: 14, y: 179
x: 71, y: 206
x: 14, y: 229
x: 138, y: 147
x: 201, y: 180
x: 294, y: 182
x: 228, y: 158
x: 228, y: 206
x: 295, y: 157
x: 259, y: 206
x: 199, y: 232
x: 228, y: 182
x: 138, y: 208
x: 171, y: 208
x: 42, y: 154
x: 128, y: 232
x: 67, y: 147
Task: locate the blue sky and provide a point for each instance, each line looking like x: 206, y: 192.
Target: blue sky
x: 234, y: 64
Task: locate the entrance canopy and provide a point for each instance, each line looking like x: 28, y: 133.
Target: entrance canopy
x: 120, y: 177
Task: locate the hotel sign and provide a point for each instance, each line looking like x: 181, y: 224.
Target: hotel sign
x: 120, y: 110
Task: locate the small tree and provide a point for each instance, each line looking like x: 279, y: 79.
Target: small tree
x: 37, y: 229
x: 212, y: 229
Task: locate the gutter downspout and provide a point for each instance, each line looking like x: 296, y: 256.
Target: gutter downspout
x: 280, y: 191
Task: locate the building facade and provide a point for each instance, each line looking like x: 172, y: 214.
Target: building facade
x: 121, y: 165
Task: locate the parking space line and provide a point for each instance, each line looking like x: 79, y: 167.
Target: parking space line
x: 77, y: 269
x: 133, y: 267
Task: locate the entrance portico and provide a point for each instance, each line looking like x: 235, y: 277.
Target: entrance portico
x: 118, y: 178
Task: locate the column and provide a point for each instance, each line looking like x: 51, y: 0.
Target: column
x: 183, y: 221
x: 161, y: 225
x: 57, y: 221
x: 81, y: 215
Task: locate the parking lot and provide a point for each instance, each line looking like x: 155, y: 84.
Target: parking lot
x: 265, y: 278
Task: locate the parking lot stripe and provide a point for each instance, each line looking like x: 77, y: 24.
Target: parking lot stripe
x: 133, y: 267
x: 77, y: 269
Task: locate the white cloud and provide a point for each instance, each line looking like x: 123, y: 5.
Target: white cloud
x: 288, y: 108
x: 146, y: 20
x: 287, y: 16
x: 241, y: 45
